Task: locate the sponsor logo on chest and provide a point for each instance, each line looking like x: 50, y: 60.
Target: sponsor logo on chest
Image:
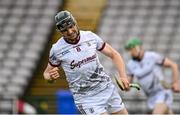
x: 78, y: 64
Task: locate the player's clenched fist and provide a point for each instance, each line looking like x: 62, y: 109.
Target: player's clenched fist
x: 51, y: 74
x: 125, y: 82
x: 54, y: 73
x: 176, y: 87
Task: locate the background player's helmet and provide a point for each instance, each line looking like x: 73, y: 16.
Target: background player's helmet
x: 64, y: 19
x: 132, y: 43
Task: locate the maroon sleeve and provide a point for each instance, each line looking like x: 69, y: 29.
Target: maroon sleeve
x: 104, y: 44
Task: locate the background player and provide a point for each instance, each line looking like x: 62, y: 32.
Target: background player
x: 146, y: 66
x: 75, y: 52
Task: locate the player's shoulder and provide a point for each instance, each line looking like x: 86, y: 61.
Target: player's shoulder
x: 58, y: 44
x: 151, y: 53
x: 87, y: 33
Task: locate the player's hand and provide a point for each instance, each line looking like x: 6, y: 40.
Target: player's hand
x: 176, y: 86
x: 125, y: 82
x: 54, y: 74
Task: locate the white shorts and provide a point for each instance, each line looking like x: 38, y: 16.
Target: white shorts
x: 164, y: 96
x: 106, y: 101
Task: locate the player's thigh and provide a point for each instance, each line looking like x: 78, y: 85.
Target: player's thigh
x: 95, y: 104
x: 104, y: 113
x: 115, y: 104
x: 123, y: 112
x: 161, y: 97
x: 160, y: 108
x: 93, y: 110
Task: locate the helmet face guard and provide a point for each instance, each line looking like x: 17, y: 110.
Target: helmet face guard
x: 62, y: 26
x: 64, y: 20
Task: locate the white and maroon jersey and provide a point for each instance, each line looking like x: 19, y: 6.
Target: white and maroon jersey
x: 148, y: 71
x: 84, y: 73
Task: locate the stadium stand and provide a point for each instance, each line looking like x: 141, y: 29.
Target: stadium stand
x: 25, y: 27
x: 156, y: 22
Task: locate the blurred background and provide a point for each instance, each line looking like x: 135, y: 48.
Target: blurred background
x: 27, y: 31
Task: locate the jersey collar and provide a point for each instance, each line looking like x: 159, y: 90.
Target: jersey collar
x: 70, y: 42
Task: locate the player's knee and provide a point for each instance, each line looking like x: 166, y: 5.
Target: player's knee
x: 160, y: 108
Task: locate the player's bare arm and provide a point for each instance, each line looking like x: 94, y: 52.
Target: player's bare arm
x: 119, y: 63
x: 176, y: 82
x: 51, y: 73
